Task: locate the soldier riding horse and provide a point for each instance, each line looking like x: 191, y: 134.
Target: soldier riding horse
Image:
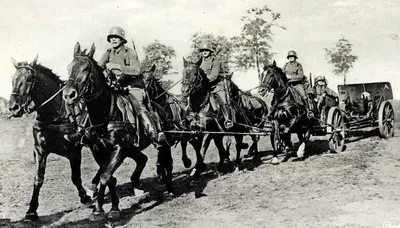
x: 288, y: 108
x: 116, y: 138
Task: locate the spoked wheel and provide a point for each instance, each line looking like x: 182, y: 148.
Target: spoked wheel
x: 276, y: 140
x: 336, y: 127
x: 386, y: 120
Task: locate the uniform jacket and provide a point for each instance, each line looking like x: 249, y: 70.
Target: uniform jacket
x: 129, y: 63
x: 212, y: 67
x: 293, y: 71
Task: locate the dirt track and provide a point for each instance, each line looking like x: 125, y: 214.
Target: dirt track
x: 357, y: 188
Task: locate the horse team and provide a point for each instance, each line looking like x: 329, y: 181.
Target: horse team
x: 111, y: 140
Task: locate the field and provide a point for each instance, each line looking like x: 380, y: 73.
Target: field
x: 357, y: 188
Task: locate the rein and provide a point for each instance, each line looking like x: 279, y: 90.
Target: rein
x: 85, y: 89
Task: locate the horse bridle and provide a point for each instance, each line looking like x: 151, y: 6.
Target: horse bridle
x: 29, y: 97
x: 83, y: 90
x: 195, y: 87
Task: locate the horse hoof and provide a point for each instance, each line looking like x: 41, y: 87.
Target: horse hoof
x: 114, y: 214
x: 97, y: 215
x: 31, y: 216
x: 275, y: 161
x: 299, y: 159
x: 168, y: 196
x: 187, y: 163
x: 86, y: 200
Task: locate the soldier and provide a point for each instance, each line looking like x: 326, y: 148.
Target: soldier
x: 214, y: 69
x: 321, y: 87
x: 122, y: 63
x: 296, y: 79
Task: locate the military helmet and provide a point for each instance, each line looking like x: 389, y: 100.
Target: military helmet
x: 118, y: 32
x: 319, y: 78
x: 206, y: 46
x: 292, y: 54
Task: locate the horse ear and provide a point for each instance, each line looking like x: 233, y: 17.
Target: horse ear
x: 185, y: 63
x: 153, y: 68
x: 198, y: 63
x: 274, y: 64
x: 15, y: 63
x: 92, y: 50
x: 33, y: 63
x: 77, y: 49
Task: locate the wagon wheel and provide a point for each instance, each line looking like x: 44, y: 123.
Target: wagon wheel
x: 276, y: 141
x: 386, y: 120
x: 336, y: 126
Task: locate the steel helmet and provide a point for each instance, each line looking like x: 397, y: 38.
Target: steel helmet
x: 319, y: 78
x: 116, y: 31
x: 206, y: 46
x: 292, y: 53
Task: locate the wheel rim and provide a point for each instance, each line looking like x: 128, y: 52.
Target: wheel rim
x: 386, y: 121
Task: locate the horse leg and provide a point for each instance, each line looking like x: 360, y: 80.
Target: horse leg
x: 199, y: 144
x: 106, y: 177
x: 185, y: 159
x: 141, y: 160
x: 223, y: 158
x: 114, y: 211
x: 167, y: 164
x: 239, y: 142
x: 254, y: 147
x: 286, y: 137
x: 75, y: 163
x: 40, y: 157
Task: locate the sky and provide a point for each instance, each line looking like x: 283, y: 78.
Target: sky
x: 52, y: 28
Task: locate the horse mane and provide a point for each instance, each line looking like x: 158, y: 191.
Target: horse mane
x: 46, y: 71
x: 280, y: 71
x: 49, y: 72
x: 95, y: 63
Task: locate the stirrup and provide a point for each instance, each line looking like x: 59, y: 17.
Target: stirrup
x: 228, y: 124
x: 310, y: 114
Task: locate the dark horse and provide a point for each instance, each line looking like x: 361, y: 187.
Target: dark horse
x: 288, y: 115
x: 195, y: 86
x: 115, y: 138
x: 34, y: 84
x: 174, y: 112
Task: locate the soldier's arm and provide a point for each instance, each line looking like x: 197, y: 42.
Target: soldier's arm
x: 134, y: 66
x: 103, y: 60
x: 215, y: 70
x: 300, y: 72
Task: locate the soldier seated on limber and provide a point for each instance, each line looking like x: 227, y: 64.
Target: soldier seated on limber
x: 321, y: 88
x: 123, y: 63
x: 297, y: 80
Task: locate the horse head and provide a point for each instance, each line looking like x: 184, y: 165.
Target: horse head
x: 272, y: 78
x: 23, y: 80
x: 82, y: 80
x: 152, y: 82
x: 193, y: 78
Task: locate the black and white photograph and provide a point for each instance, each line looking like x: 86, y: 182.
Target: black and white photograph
x: 200, y: 113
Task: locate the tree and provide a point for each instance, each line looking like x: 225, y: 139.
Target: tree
x: 160, y: 55
x: 254, y: 43
x: 340, y: 57
x: 221, y: 45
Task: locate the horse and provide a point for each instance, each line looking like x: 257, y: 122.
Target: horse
x: 289, y: 115
x: 33, y: 87
x: 195, y: 86
x: 174, y: 109
x: 256, y: 111
x: 114, y: 137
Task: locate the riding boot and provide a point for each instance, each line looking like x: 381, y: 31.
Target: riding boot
x: 157, y: 138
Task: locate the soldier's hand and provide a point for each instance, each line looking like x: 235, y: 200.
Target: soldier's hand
x: 113, y: 66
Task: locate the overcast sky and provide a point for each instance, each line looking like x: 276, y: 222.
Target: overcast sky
x: 52, y: 28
